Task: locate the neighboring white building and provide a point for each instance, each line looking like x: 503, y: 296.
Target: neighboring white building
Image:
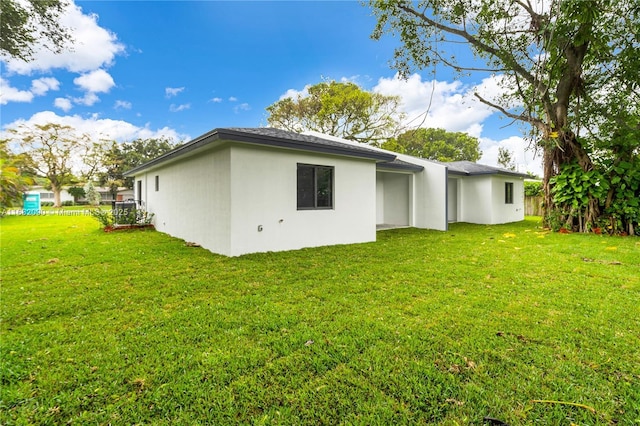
x: 236, y: 191
x: 106, y: 196
x: 46, y: 195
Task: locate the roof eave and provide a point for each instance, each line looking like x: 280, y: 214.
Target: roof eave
x: 238, y: 136
x: 264, y: 140
x: 394, y: 166
x: 196, y: 143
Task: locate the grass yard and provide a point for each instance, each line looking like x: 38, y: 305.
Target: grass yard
x: 506, y: 322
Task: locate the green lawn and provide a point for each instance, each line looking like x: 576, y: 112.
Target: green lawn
x: 508, y: 322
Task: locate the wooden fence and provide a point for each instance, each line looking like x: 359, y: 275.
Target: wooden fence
x: 533, y: 206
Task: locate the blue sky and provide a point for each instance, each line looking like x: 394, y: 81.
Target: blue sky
x: 182, y: 68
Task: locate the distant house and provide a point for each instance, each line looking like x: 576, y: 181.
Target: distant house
x: 46, y: 195
x: 244, y: 190
x: 106, y: 197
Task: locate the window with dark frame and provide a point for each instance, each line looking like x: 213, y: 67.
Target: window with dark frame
x: 157, y: 183
x: 508, y: 193
x: 139, y: 191
x: 315, y: 187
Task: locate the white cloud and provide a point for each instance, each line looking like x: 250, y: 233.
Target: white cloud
x: 122, y: 105
x: 99, y: 128
x: 447, y: 105
x: 63, y: 103
x: 295, y: 94
x: 88, y: 99
x: 242, y: 107
x: 41, y: 86
x: 38, y: 87
x: 170, y: 92
x: 177, y: 108
x: 98, y: 81
x: 233, y: 99
x: 92, y: 48
x: 216, y: 100
x: 525, y: 160
x: 11, y: 94
x: 452, y: 106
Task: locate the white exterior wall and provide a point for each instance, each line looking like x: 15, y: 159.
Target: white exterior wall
x: 453, y: 199
x: 243, y: 199
x: 264, y: 214
x: 475, y: 199
x: 430, y: 207
x: 394, y: 198
x: 379, y: 198
x: 502, y: 212
x: 482, y: 199
x: 193, y: 200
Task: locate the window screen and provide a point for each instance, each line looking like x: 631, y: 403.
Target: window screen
x: 315, y: 187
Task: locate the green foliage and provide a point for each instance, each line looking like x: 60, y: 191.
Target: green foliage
x: 614, y: 187
x: 562, y: 67
x: 436, y: 144
x: 532, y: 189
x: 133, y: 217
x: 51, y: 150
x: 622, y: 204
x: 15, y: 176
x: 505, y: 158
x: 421, y: 327
x: 76, y: 192
x: 104, y: 217
x: 122, y: 216
x: 339, y: 109
x: 24, y: 23
x: 121, y: 157
x: 91, y: 194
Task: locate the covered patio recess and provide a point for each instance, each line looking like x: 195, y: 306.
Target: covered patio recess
x: 395, y: 194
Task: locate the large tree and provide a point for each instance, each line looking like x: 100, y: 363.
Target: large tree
x: 15, y: 176
x: 568, y: 68
x: 339, y: 109
x: 54, y: 151
x: 25, y: 23
x: 121, y: 157
x: 436, y: 144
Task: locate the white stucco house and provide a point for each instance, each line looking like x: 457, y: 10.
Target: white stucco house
x: 244, y: 190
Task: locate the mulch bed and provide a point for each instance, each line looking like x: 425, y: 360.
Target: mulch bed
x: 126, y: 227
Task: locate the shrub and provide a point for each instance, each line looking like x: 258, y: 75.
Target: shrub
x: 532, y: 189
x: 105, y: 217
x: 67, y: 203
x: 108, y: 218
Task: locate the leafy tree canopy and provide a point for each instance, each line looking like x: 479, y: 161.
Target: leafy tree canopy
x: 23, y: 23
x: 121, y: 157
x: 568, y: 68
x: 436, y: 144
x: 339, y: 109
x: 54, y: 151
x: 505, y: 158
x: 15, y: 176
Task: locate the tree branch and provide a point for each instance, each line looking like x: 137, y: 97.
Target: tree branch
x: 520, y: 117
x: 502, y: 55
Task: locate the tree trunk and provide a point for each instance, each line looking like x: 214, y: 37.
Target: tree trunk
x: 56, y: 195
x: 568, y: 150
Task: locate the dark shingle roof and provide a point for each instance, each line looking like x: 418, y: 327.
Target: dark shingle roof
x: 399, y: 165
x: 268, y: 136
x: 469, y: 168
